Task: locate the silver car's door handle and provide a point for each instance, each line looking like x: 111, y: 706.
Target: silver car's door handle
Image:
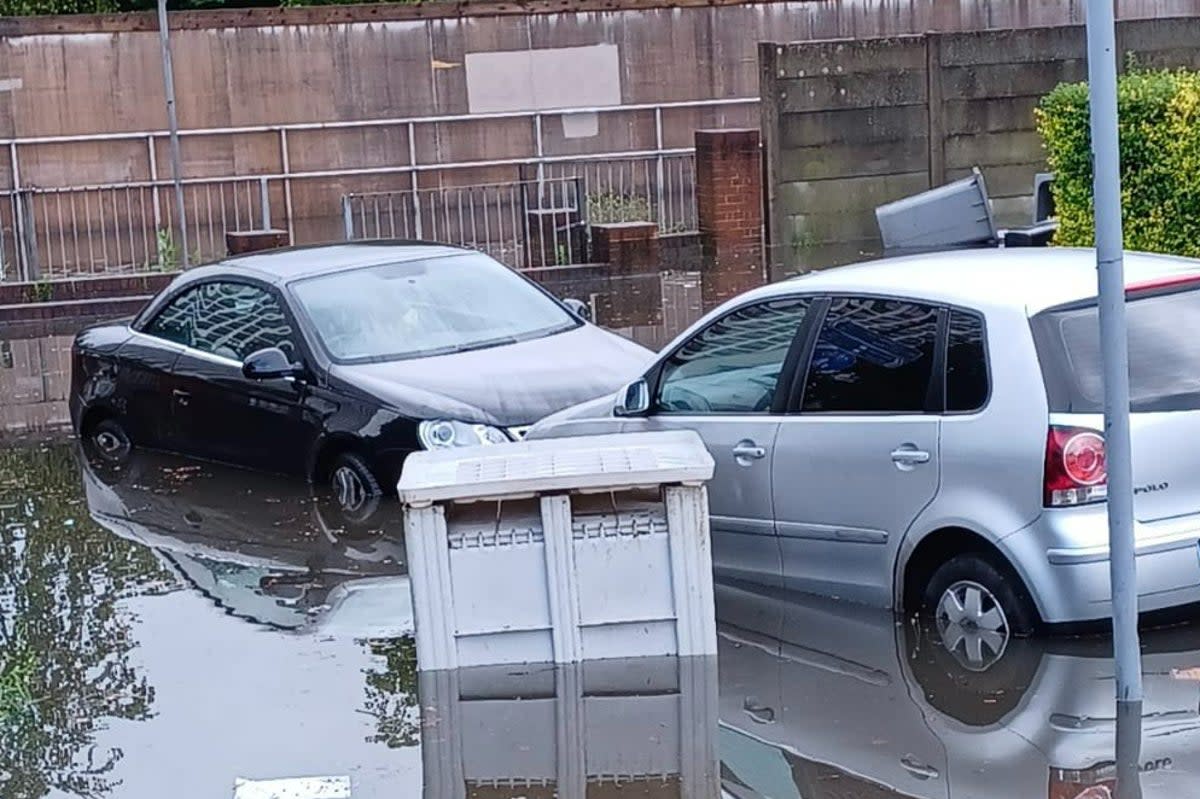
x: 910, y: 456
x: 919, y: 769
x: 749, y: 450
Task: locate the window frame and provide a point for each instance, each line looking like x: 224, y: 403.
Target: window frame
x: 791, y: 360
x: 944, y: 346
x: 140, y: 325
x: 935, y: 393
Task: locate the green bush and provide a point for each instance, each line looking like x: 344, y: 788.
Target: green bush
x: 1160, y: 160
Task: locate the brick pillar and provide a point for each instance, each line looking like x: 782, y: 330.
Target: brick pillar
x: 729, y: 204
x: 630, y: 249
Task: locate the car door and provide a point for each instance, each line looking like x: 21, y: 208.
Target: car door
x: 726, y: 383
x: 222, y: 414
x: 858, y: 459
x: 144, y: 383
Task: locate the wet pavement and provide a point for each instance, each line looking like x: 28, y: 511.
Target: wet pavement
x: 172, y: 627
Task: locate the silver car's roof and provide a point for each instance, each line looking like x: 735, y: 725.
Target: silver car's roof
x: 1032, y: 278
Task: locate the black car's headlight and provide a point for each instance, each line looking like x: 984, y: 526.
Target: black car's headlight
x: 446, y: 433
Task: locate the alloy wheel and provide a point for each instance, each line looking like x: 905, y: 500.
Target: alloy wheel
x: 349, y: 488
x: 972, y: 625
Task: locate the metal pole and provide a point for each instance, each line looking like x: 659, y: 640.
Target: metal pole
x: 1102, y: 81
x: 264, y: 203
x: 173, y: 125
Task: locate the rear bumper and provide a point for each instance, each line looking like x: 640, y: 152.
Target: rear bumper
x: 1065, y: 561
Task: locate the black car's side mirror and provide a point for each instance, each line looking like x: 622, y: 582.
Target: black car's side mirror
x: 270, y: 363
x: 579, y: 308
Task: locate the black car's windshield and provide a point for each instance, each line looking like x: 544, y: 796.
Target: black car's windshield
x: 415, y: 308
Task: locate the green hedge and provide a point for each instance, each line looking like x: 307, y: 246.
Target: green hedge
x: 1160, y: 160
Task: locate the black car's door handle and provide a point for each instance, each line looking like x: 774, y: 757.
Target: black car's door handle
x: 181, y: 397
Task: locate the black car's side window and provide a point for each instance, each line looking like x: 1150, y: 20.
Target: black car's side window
x: 174, y: 321
x: 228, y: 319
x: 966, y: 363
x: 733, y: 365
x: 872, y: 356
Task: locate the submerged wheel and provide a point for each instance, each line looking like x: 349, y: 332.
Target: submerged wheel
x: 977, y: 608
x: 355, y: 488
x: 109, y: 442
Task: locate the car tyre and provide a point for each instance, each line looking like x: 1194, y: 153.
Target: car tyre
x: 356, y: 492
x: 978, y: 605
x: 109, y: 442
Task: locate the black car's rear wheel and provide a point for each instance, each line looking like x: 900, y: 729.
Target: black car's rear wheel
x: 354, y: 486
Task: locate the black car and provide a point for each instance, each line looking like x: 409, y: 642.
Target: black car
x: 336, y: 361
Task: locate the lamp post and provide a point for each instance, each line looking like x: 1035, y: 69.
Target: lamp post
x: 1102, y: 87
x: 173, y: 126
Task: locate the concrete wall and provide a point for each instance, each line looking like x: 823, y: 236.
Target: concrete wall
x: 76, y: 75
x: 850, y: 125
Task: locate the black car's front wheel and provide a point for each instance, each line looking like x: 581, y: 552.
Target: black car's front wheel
x: 355, y: 488
x: 108, y: 441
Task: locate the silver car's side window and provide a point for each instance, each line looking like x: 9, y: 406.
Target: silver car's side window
x: 967, y: 383
x: 733, y: 365
x: 873, y: 355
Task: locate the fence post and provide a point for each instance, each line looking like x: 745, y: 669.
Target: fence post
x: 658, y: 144
x: 416, y: 194
x: 18, y: 216
x: 33, y: 269
x: 526, y: 245
x: 285, y: 162
x: 935, y: 110
x: 348, y: 217
x: 585, y: 229
x: 264, y: 202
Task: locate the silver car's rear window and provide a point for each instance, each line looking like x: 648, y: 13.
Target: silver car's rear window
x: 1164, y: 354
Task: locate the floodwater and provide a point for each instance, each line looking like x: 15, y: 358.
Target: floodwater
x: 173, y: 627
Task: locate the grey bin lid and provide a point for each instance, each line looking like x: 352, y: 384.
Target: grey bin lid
x: 952, y: 216
x: 554, y: 465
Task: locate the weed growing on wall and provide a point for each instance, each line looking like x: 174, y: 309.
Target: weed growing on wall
x: 1160, y: 160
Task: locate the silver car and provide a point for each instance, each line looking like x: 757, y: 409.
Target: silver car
x: 927, y: 433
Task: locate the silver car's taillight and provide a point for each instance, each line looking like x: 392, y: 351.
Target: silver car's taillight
x: 1076, y: 473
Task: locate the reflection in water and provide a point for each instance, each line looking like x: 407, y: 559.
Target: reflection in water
x: 617, y: 728
x: 65, y: 643
x: 35, y: 377
x: 213, y: 624
x: 392, y: 693
x: 102, y: 622
x: 821, y: 699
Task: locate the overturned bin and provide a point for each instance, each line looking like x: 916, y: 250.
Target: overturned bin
x: 560, y: 550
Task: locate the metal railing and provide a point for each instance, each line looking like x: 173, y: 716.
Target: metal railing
x: 131, y: 227
x: 75, y: 229
x: 523, y: 224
